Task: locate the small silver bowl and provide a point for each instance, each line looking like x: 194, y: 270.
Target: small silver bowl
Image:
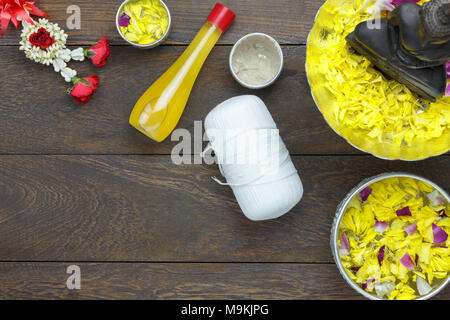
x: 340, y: 213
x: 148, y: 45
x: 272, y: 45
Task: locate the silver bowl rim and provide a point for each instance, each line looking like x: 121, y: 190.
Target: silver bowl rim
x: 280, y: 53
x: 346, y: 140
x: 340, y: 213
x: 148, y: 45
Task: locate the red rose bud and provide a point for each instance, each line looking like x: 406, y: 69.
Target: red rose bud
x: 84, y: 88
x: 99, y: 53
x: 41, y: 39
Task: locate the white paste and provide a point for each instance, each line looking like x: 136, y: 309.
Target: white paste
x: 256, y: 60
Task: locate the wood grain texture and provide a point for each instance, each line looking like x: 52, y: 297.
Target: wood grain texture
x: 38, y: 117
x: 177, y: 281
x: 288, y: 21
x: 144, y: 208
x: 174, y: 281
x: 78, y: 185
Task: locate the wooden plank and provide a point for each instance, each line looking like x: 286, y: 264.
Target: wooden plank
x: 174, y: 281
x: 177, y: 281
x: 289, y: 21
x: 45, y: 120
x: 144, y: 208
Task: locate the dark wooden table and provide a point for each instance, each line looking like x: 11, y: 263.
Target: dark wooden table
x: 79, y: 185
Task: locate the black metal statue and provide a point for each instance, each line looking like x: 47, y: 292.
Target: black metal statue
x: 411, y: 45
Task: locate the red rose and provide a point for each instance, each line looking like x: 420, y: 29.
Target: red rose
x: 42, y: 39
x: 99, y: 53
x: 84, y: 88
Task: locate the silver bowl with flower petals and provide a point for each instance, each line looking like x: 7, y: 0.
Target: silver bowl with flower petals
x: 342, y: 207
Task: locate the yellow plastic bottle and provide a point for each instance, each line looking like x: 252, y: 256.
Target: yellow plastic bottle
x: 159, y: 109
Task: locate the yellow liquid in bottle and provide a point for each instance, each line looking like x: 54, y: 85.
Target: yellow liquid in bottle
x: 159, y: 109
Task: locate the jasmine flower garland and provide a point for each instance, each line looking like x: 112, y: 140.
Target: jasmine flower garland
x: 55, y: 54
x: 45, y: 43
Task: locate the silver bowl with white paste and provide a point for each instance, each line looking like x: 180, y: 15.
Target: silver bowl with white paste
x: 256, y: 61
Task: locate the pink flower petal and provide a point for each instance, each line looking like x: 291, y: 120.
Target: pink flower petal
x: 380, y: 226
x: 435, y: 198
x: 440, y: 235
x: 381, y: 255
x: 411, y: 228
x: 404, y: 212
x: 365, y: 193
x: 447, y: 90
x: 448, y: 69
x: 407, y: 262
x: 345, y: 246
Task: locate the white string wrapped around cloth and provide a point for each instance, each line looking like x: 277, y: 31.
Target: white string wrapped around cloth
x: 253, y: 158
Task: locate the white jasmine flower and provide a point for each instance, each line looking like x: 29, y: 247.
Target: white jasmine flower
x: 68, y: 74
x: 64, y: 54
x: 78, y: 54
x: 59, y: 64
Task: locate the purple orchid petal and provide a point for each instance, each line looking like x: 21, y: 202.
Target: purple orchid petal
x: 364, y: 194
x: 399, y: 2
x: 407, y: 261
x: 355, y: 269
x: 447, y: 91
x: 381, y: 255
x: 345, y: 246
x: 124, y: 20
x: 404, y: 212
x: 440, y: 235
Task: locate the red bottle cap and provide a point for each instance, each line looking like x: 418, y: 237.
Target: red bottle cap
x: 221, y: 17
